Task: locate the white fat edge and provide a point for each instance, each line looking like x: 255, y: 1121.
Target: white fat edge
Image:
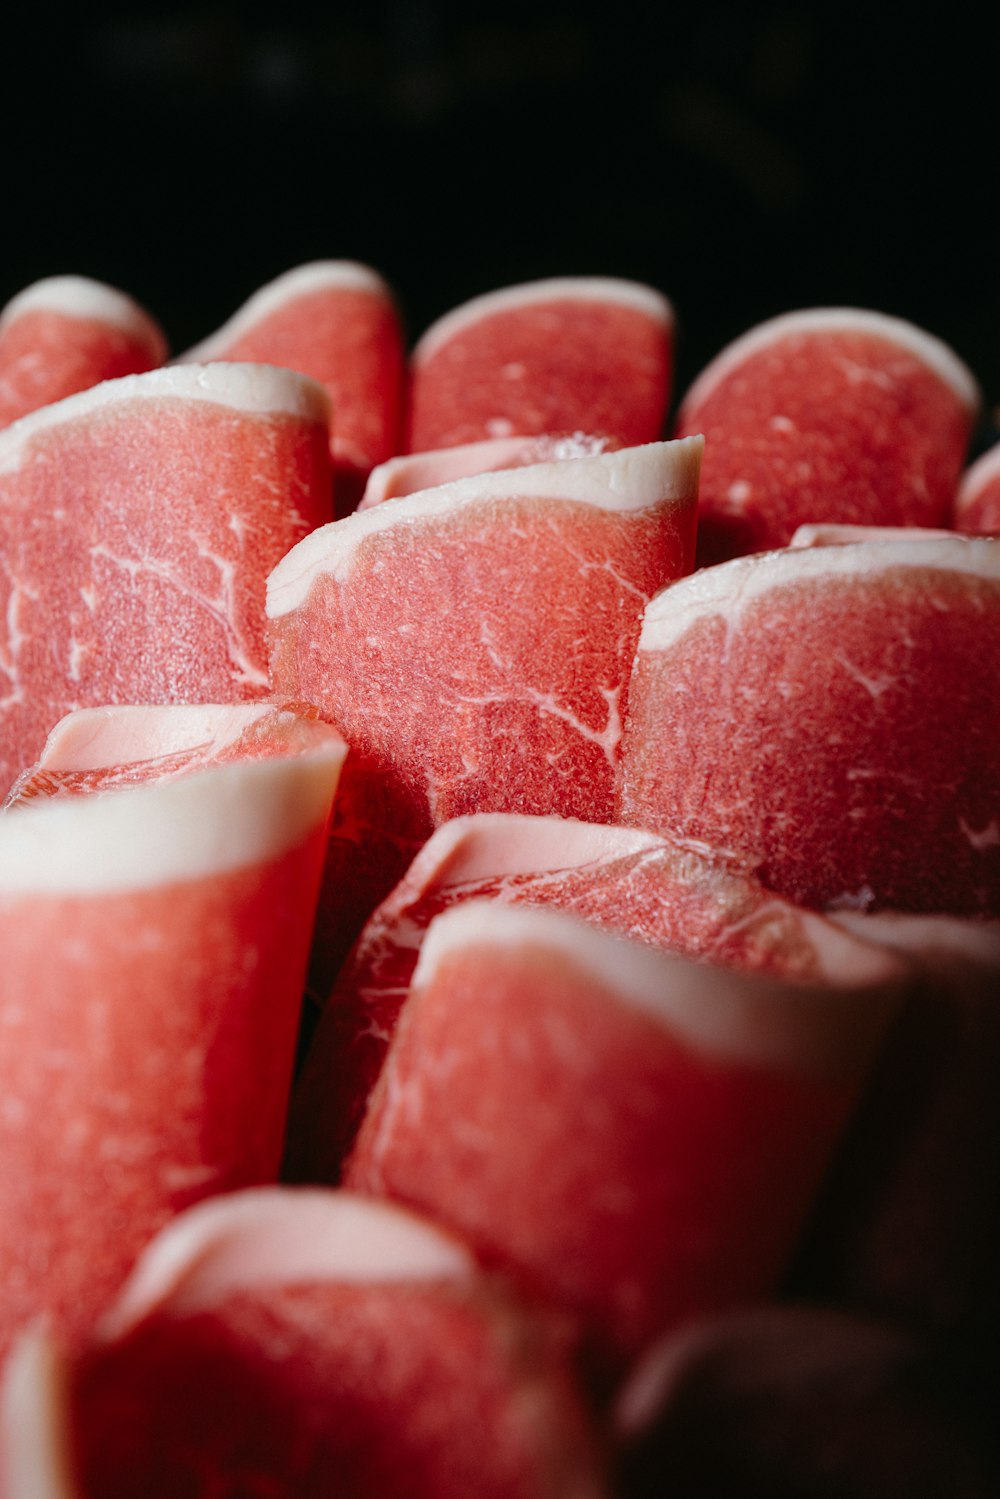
x: 256, y: 389
x: 625, y: 480
x: 36, y: 1456
x: 319, y: 275
x: 825, y: 1030
x: 725, y: 590
x: 265, y: 1237
x: 927, y: 936
x: 92, y: 301
x: 983, y: 471
x: 931, y: 351
x: 484, y: 845
x: 408, y: 472
x: 826, y: 534
x: 213, y: 821
x: 609, y: 289
x: 94, y: 738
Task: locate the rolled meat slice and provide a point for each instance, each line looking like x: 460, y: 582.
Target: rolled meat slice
x: 827, y: 716
x: 67, y: 333
x: 336, y: 321
x: 138, y: 523
x: 831, y: 414
x: 574, y: 353
x: 312, y: 1343
x: 622, y: 880
x: 472, y: 642
x: 635, y: 1136
x: 155, y: 941
x: 977, y: 503
x: 409, y: 472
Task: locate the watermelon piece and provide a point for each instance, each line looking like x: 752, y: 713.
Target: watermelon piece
x: 634, y: 1136
x: 828, y: 415
x: 67, y: 333
x: 336, y: 321
x: 138, y: 523
x: 618, y: 879
x: 827, y: 716
x: 590, y: 354
x: 471, y: 643
x: 308, y: 1343
x: 409, y: 472
x: 977, y: 503
x: 155, y: 942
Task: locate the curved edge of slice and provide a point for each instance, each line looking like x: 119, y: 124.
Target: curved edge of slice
x: 409, y: 473
x: 829, y: 534
x: 79, y: 297
x: 624, y: 480
x: 728, y: 587
x: 303, y: 280
x: 932, y: 351
x: 282, y: 1235
x: 827, y: 1030
x: 36, y: 1447
x: 212, y: 821
x: 611, y: 289
x: 257, y: 389
x: 984, y: 471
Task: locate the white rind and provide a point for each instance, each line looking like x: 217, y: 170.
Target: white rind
x: 485, y: 845
x: 36, y: 1459
x: 256, y: 389
x: 727, y: 589
x: 91, y: 301
x: 408, y: 473
x: 319, y: 275
x: 935, y: 354
x: 265, y: 1237
x: 629, y: 479
x: 825, y: 1030
x: 210, y: 822
x: 976, y: 477
x: 609, y: 289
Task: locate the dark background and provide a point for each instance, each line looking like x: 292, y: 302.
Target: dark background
x: 744, y: 160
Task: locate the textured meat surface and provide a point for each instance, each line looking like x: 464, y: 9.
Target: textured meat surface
x: 419, y: 1392
x: 136, y: 541
x: 825, y: 424
x: 837, y: 734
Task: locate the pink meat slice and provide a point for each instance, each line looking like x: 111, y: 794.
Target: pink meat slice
x: 138, y: 524
x: 155, y: 942
x: 977, y: 503
x: 827, y: 415
x: 409, y: 472
x: 621, y: 880
x: 827, y: 715
x: 311, y: 1343
x: 65, y: 334
x: 471, y: 643
x: 589, y: 354
x: 36, y: 1440
x: 336, y: 321
x: 632, y: 1135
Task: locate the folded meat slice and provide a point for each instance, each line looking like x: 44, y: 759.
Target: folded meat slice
x: 36, y: 1442
x: 472, y: 643
x: 977, y: 503
x: 828, y: 716
x: 155, y: 942
x: 312, y: 1343
x: 622, y: 880
x: 574, y: 353
x: 409, y: 472
x: 138, y: 524
x: 631, y: 1134
x: 830, y: 414
x: 336, y: 321
x: 67, y: 333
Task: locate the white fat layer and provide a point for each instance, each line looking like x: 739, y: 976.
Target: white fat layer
x: 828, y: 1030
x: 726, y: 590
x: 827, y: 534
x: 211, y: 822
x: 319, y: 275
x: 610, y: 289
x: 627, y: 480
x: 976, y: 477
x: 967, y: 941
x: 493, y: 844
x: 282, y: 1236
x: 412, y: 471
x: 35, y: 1445
x: 257, y: 389
x: 932, y: 352
x: 93, y: 738
x: 79, y: 297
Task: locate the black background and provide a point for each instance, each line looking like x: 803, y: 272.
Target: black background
x: 746, y: 161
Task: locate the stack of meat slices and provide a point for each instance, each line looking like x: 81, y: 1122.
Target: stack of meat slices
x: 649, y: 919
